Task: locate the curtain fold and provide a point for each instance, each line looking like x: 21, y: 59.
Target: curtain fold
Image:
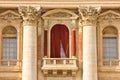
x: 65, y: 40
x: 59, y: 33
x: 62, y: 52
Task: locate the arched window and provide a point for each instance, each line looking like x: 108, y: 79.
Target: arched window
x: 110, y: 49
x: 9, y: 45
x: 59, y: 41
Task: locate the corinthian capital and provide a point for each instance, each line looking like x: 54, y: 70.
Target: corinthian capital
x: 89, y: 14
x: 29, y: 13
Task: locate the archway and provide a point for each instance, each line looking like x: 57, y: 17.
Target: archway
x: 59, y: 41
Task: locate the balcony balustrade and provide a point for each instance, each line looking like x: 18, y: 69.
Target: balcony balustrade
x: 111, y: 62
x: 110, y: 65
x: 60, y: 64
x: 10, y: 65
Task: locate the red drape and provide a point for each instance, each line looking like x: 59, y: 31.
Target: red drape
x: 73, y: 43
x: 59, y: 33
x: 45, y: 43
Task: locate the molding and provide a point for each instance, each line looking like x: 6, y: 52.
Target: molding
x: 109, y: 12
x: 59, y: 14
x: 61, y: 4
x: 8, y: 12
x: 110, y: 16
x: 9, y: 16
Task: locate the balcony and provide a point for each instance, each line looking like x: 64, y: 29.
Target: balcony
x: 10, y: 65
x: 112, y: 62
x: 62, y: 66
x: 110, y: 65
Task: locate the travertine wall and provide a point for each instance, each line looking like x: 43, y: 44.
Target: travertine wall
x: 107, y: 17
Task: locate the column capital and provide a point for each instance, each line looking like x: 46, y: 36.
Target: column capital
x: 29, y: 14
x: 89, y: 14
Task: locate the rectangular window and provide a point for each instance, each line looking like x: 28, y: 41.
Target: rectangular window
x: 110, y: 51
x: 109, y: 48
x: 9, y: 50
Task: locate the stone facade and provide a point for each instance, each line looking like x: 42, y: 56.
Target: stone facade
x: 31, y: 23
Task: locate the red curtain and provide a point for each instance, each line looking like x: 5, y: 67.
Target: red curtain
x: 45, y: 43
x: 59, y: 33
x: 73, y: 43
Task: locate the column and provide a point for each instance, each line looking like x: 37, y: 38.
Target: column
x: 89, y: 16
x: 29, y: 66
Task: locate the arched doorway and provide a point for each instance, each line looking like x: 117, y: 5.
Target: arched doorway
x: 59, y: 41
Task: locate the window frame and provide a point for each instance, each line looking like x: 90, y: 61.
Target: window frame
x: 9, y: 35
x: 109, y: 35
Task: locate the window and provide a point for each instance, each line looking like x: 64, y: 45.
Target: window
x: 110, y: 48
x: 59, y: 41
x: 110, y: 55
x: 9, y: 46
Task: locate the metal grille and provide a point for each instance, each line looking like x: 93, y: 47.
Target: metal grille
x: 109, y: 48
x: 9, y: 50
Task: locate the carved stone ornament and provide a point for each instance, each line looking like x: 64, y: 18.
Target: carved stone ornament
x: 109, y: 16
x: 9, y: 30
x: 89, y: 15
x: 29, y: 14
x: 9, y: 16
x: 110, y: 30
x: 60, y: 14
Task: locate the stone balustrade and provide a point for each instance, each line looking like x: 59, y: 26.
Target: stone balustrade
x: 59, y: 64
x: 11, y: 63
x: 111, y: 62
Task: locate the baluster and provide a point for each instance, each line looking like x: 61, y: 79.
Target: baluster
x: 8, y: 63
x: 44, y: 61
x: 20, y: 63
x: 110, y: 63
x: 64, y: 61
x: 54, y: 61
x: 74, y: 61
x: 70, y: 61
x: 118, y: 62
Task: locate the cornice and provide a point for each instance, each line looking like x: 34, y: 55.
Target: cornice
x: 64, y: 4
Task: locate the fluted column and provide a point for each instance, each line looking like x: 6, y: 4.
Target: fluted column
x: 89, y: 16
x: 29, y: 66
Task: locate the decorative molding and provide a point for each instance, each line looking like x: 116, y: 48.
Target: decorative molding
x: 29, y: 14
x: 9, y: 30
x: 59, y: 14
x: 9, y: 16
x: 109, y: 16
x: 110, y: 30
x: 89, y: 14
